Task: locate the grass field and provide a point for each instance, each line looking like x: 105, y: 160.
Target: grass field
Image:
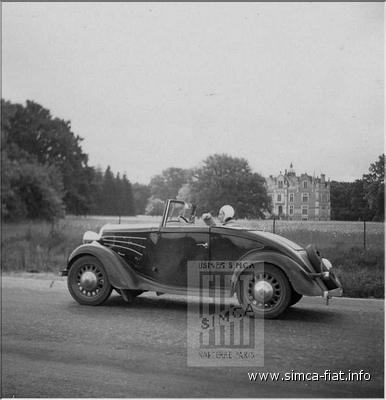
x: 43, y: 247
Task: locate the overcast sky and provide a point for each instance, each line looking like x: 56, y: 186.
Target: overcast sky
x: 154, y: 85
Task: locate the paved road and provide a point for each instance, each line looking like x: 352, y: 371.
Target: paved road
x: 53, y: 347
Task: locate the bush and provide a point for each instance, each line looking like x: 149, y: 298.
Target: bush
x: 31, y: 190
x: 360, y: 271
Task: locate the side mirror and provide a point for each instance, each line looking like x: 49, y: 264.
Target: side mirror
x: 90, y: 237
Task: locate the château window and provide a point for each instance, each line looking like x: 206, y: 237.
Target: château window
x: 304, y: 210
x: 291, y: 198
x: 279, y: 197
x: 280, y: 184
x: 305, y: 184
x: 305, y: 197
x: 324, y: 197
x: 291, y: 210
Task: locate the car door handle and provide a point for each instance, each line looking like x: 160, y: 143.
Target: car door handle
x: 205, y: 245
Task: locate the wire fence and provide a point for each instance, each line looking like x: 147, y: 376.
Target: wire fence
x: 357, y: 228
x: 364, y: 234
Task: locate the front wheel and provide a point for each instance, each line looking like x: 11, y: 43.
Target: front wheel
x: 265, y: 291
x: 87, y: 281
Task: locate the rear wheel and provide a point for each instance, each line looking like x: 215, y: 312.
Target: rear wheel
x: 265, y: 291
x: 87, y: 281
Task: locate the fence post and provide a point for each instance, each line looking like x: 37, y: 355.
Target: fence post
x: 274, y: 225
x: 119, y: 220
x: 364, y: 234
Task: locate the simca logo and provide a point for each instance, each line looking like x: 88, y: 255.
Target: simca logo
x: 222, y: 325
x: 220, y: 332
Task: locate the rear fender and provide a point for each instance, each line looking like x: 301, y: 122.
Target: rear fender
x: 119, y: 273
x: 299, y: 278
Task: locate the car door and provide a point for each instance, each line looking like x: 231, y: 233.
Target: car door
x: 172, y: 250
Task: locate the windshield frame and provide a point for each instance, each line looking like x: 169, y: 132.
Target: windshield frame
x: 169, y: 206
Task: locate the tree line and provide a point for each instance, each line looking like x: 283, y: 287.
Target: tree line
x: 223, y: 179
x: 45, y: 174
x: 220, y: 179
x: 363, y: 199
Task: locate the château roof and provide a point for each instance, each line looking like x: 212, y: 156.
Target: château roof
x: 290, y: 179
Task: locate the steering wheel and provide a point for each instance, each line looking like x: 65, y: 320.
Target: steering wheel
x: 183, y: 218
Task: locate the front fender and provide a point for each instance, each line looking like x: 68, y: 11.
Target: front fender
x: 119, y: 273
x: 299, y: 278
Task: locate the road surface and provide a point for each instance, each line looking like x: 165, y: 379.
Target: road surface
x: 53, y: 347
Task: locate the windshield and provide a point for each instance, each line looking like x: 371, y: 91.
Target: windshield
x: 180, y: 211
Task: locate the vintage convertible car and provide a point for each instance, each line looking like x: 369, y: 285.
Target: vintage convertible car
x: 135, y: 258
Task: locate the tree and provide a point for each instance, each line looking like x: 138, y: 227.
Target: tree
x: 167, y: 185
x: 155, y: 206
x: 185, y: 193
x: 141, y: 194
x: 118, y: 202
x: 112, y: 194
x: 109, y: 194
x: 223, y: 179
x: 31, y: 132
x: 340, y: 200
x: 31, y: 137
x: 30, y: 190
x: 126, y: 196
x: 348, y: 201
x: 358, y: 204
x: 96, y: 189
x: 374, y: 187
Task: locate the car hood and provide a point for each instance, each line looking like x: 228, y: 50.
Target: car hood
x: 284, y: 245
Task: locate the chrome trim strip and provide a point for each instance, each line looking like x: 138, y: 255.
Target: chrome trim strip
x: 125, y: 237
x: 121, y: 241
x: 126, y: 248
x: 136, y: 244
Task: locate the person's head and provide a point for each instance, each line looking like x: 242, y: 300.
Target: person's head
x: 226, y: 212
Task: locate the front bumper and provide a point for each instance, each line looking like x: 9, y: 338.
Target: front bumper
x: 330, y: 284
x: 63, y: 272
x: 338, y: 292
x: 333, y: 286
x: 325, y: 277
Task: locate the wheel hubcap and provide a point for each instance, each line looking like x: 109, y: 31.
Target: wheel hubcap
x: 264, y: 291
x: 90, y: 280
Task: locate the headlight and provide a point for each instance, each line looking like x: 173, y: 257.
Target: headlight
x: 325, y: 274
x: 90, y: 236
x: 327, y: 264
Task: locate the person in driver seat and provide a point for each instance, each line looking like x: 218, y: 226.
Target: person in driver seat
x: 225, y: 215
